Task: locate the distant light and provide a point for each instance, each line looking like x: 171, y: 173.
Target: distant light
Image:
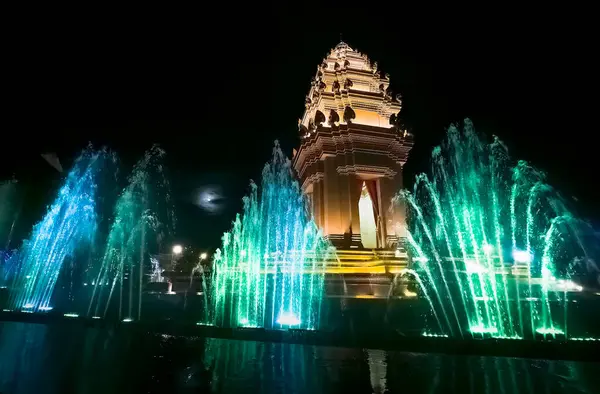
x: 28, y: 277
x: 428, y: 334
x: 421, y: 259
x: 3, y: 287
x: 473, y: 267
x: 522, y: 256
x: 532, y: 299
x: 568, y: 285
x: 71, y: 315
x: 199, y: 293
x: 28, y: 306
x: 243, y: 321
x: 85, y: 284
x: 203, y: 256
x: 480, y: 329
x: 399, y: 253
x: 549, y: 331
x: 6, y: 310
x: 408, y: 293
x: 364, y: 296
x: 507, y: 337
x: 127, y: 320
x: 487, y: 248
x: 96, y: 317
x: 243, y: 253
x: 46, y: 308
x: 171, y: 292
x: 288, y: 319
x: 177, y: 249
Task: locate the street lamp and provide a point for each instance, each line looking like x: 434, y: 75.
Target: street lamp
x: 177, y: 249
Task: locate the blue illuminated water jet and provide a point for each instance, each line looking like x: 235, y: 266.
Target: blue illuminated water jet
x: 68, y: 226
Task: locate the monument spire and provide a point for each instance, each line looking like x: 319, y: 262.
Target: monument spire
x: 352, y: 146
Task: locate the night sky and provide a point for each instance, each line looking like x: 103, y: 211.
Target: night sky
x: 215, y: 99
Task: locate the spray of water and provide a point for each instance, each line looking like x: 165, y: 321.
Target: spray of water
x: 269, y: 271
x: 68, y: 226
x: 136, y: 231
x: 493, y: 245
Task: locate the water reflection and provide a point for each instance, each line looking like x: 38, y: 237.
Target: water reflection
x: 66, y: 359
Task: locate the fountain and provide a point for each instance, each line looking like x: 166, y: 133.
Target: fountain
x: 135, y: 233
x: 496, y: 251
x: 9, y: 261
x: 269, y: 272
x: 68, y: 227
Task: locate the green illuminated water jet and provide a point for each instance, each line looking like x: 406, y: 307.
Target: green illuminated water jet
x: 142, y: 216
x: 496, y: 251
x: 269, y: 272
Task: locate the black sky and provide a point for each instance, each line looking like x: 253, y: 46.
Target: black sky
x: 217, y: 91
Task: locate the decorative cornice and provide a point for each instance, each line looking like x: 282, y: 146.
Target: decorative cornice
x: 370, y: 170
x: 352, y: 139
x: 314, y: 178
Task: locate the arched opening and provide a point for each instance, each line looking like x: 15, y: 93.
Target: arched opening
x: 368, y: 223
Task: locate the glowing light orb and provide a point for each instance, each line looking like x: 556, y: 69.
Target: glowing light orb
x: 177, y: 249
x: 127, y: 320
x: 96, y: 317
x: 288, y: 319
x: 210, y: 199
x: 487, y: 248
x: 522, y: 256
x: 473, y: 267
x: 71, y: 315
x: 203, y: 256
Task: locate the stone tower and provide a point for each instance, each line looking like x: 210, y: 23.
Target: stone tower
x: 352, y: 152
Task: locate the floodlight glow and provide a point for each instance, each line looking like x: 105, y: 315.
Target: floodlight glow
x: 288, y: 319
x: 522, y: 256
x: 487, y: 248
